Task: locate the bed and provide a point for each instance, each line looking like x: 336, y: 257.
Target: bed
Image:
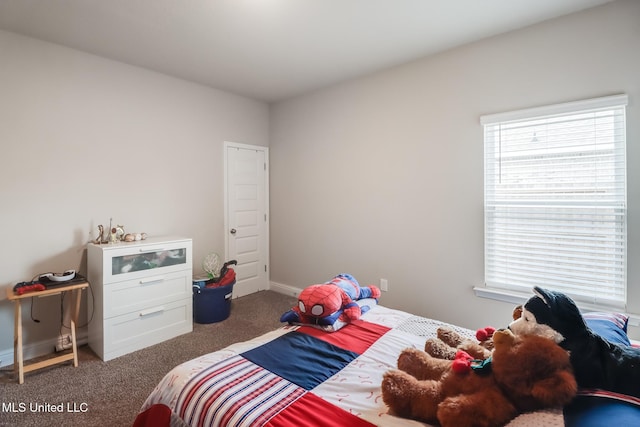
x: 301, y: 375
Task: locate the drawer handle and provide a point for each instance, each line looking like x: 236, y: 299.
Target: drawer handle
x: 151, y: 279
x: 143, y: 251
x: 150, y: 311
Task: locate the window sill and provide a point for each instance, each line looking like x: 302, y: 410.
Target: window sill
x: 501, y: 295
x: 521, y: 298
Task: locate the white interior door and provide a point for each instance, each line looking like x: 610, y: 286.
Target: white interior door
x: 246, y: 221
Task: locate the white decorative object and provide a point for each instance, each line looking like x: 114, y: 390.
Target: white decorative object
x: 119, y: 232
x: 134, y: 237
x: 142, y: 294
x: 211, y: 265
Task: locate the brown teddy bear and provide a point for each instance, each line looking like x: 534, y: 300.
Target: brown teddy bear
x: 526, y: 373
x: 449, y: 342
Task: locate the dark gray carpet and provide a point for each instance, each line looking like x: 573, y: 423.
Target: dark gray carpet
x: 113, y: 392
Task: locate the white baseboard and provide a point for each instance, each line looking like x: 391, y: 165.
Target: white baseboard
x: 41, y: 348
x: 284, y: 289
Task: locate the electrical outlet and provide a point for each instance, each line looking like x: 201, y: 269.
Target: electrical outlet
x: 384, y: 285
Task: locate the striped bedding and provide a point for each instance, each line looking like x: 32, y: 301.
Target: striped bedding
x: 298, y: 375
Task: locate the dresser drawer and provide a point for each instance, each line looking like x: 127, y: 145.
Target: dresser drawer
x: 145, y: 292
x: 142, y: 328
x: 128, y: 261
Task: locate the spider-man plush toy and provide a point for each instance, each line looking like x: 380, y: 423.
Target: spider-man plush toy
x: 334, y: 300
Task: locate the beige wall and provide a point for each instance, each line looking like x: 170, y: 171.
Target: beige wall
x: 84, y: 139
x: 383, y: 176
x: 379, y: 177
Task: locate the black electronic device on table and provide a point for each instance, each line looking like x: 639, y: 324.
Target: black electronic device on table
x: 56, y: 280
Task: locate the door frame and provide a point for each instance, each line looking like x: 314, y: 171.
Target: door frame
x: 265, y: 150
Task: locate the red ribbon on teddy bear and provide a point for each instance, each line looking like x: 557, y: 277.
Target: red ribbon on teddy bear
x: 464, y: 363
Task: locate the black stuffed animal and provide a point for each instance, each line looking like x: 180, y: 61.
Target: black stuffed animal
x: 597, y: 363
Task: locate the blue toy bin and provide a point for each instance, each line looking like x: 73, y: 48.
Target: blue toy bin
x: 211, y: 304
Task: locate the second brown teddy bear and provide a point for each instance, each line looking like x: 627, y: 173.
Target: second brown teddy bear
x: 449, y: 342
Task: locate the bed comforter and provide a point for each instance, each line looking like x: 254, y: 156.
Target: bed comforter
x: 299, y: 375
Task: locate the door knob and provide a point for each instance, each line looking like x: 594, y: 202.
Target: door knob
x: 233, y: 231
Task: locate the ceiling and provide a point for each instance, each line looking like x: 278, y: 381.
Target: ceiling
x: 272, y: 49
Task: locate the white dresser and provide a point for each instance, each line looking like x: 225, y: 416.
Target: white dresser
x: 142, y: 294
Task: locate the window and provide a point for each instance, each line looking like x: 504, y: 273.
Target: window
x: 555, y: 200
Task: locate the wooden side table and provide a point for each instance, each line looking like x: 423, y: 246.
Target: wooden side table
x: 18, y: 363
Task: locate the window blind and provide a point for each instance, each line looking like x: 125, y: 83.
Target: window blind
x: 555, y: 200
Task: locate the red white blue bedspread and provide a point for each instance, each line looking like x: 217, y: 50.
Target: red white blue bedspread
x: 299, y: 375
